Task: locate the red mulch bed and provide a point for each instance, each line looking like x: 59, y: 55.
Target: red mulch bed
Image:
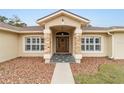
x: 26, y: 70
x: 90, y: 65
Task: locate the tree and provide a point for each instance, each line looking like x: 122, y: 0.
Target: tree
x: 3, y: 19
x: 15, y: 21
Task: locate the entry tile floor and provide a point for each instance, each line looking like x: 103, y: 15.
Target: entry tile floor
x: 63, y: 58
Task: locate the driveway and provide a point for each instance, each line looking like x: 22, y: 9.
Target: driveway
x: 26, y: 71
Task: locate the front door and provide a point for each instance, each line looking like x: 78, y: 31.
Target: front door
x: 62, y: 44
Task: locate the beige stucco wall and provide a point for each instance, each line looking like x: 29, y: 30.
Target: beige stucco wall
x: 67, y: 21
x: 109, y: 45
x: 12, y: 45
x: 104, y: 47
x: 8, y: 45
x: 118, y: 46
x: 22, y: 51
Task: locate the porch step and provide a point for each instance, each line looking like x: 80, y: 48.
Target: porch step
x: 62, y: 58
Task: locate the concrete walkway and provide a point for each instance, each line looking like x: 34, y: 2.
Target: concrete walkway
x: 62, y: 74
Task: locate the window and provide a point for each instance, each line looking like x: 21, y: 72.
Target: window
x: 91, y: 44
x: 34, y: 44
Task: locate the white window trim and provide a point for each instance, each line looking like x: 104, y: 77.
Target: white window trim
x: 23, y: 43
x: 102, y: 44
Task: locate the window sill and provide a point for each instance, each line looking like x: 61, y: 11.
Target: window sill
x: 33, y: 51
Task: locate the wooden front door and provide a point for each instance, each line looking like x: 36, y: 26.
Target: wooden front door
x: 62, y: 44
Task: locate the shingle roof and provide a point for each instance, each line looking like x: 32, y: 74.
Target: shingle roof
x: 113, y: 27
x: 95, y: 28
x: 32, y: 28
x: 102, y: 28
x: 5, y: 25
x: 28, y: 28
x: 39, y: 28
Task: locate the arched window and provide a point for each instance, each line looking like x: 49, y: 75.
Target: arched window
x: 62, y: 33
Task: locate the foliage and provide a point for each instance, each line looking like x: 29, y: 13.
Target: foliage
x: 3, y: 19
x: 107, y: 74
x: 15, y: 21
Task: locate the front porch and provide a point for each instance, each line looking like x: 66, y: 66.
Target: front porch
x: 62, y: 34
x: 62, y: 44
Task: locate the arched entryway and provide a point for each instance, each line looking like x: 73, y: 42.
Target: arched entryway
x: 62, y: 42
x: 62, y: 39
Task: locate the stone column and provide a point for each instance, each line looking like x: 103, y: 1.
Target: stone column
x: 77, y: 45
x: 47, y: 45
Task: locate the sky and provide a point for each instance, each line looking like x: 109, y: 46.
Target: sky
x: 97, y: 17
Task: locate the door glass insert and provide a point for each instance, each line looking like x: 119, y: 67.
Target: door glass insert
x: 62, y: 42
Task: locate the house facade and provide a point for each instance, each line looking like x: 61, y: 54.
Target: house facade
x: 61, y: 32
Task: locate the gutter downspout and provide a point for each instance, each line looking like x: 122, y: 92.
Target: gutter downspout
x: 112, y: 44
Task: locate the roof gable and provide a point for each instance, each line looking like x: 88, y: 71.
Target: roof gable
x: 61, y: 13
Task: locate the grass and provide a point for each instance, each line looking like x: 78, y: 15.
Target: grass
x: 107, y: 74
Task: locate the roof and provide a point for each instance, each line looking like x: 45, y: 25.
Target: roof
x: 116, y: 27
x: 40, y: 28
x: 28, y: 28
x: 102, y: 28
x: 32, y: 28
x: 95, y: 28
x: 62, y: 11
x: 5, y: 25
